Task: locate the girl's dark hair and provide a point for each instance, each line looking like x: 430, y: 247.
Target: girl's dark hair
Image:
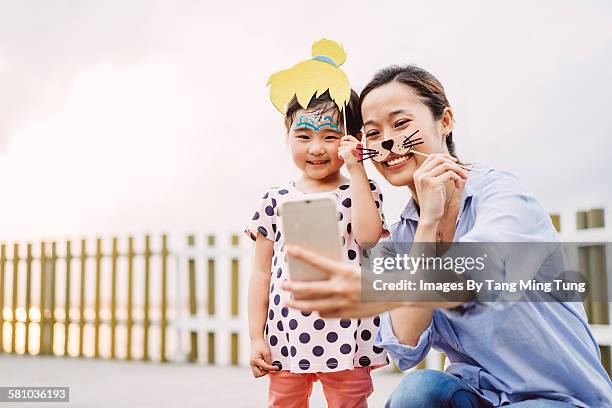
x: 324, y: 104
x: 427, y: 87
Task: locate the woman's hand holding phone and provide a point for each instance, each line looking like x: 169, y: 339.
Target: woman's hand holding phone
x: 337, y: 296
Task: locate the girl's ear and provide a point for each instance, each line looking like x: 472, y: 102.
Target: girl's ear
x: 287, y: 125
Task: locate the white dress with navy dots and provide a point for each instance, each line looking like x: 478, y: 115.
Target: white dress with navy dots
x: 304, y: 342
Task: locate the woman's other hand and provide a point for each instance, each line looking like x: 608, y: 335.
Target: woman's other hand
x: 430, y: 180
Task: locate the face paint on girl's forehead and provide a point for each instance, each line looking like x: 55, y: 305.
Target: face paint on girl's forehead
x: 316, y: 122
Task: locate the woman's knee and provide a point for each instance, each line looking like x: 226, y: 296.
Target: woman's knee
x: 421, y: 388
x: 431, y: 388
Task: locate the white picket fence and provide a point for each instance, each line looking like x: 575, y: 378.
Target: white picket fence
x: 222, y: 324
x: 84, y: 322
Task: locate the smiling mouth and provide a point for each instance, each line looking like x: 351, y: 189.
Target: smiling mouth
x: 317, y: 162
x: 397, y: 160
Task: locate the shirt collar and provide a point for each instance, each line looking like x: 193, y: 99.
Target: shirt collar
x: 474, y: 181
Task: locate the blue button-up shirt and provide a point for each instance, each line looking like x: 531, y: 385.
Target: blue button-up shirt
x: 507, y: 352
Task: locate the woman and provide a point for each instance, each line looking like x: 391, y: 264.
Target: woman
x: 526, y: 354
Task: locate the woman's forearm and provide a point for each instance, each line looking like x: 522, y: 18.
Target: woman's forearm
x: 365, y: 219
x: 427, y: 232
x: 410, y: 320
x: 409, y: 323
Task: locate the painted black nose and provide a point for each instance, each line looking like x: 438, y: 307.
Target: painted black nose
x: 387, y: 144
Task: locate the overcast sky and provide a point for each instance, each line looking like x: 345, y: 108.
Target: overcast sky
x: 142, y: 116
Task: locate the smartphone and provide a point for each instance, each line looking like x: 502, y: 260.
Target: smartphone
x: 313, y: 224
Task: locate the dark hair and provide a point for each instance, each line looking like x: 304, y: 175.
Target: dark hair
x: 427, y: 87
x: 325, y: 104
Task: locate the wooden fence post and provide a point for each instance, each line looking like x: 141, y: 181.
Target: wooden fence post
x: 211, y: 301
x: 146, y: 320
x: 130, y: 310
x: 67, y: 302
x: 45, y: 302
x: 28, y: 305
x: 98, y: 299
x: 113, y: 325
x: 83, y: 261
x: 164, y: 295
x: 193, y: 304
x: 51, y: 298
x: 2, y: 273
x: 15, y: 294
x: 234, y: 306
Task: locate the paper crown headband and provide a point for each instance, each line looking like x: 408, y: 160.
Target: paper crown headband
x: 313, y: 77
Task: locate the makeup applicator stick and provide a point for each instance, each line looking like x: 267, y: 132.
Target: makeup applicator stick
x: 426, y: 155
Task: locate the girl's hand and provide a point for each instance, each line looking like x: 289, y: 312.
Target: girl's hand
x: 348, y: 151
x: 429, y: 181
x: 261, y: 361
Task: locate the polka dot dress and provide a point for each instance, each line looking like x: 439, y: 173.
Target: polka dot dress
x: 304, y: 342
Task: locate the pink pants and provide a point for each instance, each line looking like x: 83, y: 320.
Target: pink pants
x: 342, y: 389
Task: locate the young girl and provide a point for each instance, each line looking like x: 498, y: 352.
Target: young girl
x: 298, y: 348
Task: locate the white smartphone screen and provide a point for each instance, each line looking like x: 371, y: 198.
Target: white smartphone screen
x: 313, y: 224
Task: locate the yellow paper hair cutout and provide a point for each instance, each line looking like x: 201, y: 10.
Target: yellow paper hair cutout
x: 312, y: 78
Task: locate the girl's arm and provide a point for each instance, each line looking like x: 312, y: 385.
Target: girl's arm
x: 259, y: 283
x: 365, y: 218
